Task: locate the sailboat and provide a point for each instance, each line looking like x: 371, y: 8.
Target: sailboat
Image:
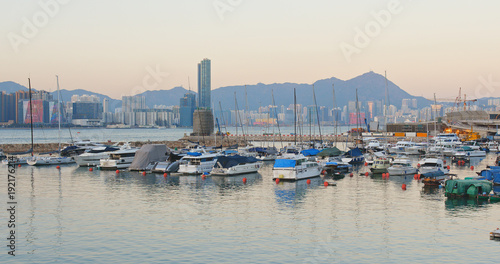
x: 50, y: 160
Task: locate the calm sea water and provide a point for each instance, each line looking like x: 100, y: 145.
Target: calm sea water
x: 73, y: 215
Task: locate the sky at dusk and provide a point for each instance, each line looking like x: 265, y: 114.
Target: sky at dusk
x: 125, y: 47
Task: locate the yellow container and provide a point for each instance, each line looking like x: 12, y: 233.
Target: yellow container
x: 421, y: 134
x: 399, y: 134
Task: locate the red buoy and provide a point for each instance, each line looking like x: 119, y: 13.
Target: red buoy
x: 19, y: 165
x: 165, y: 175
x: 403, y: 187
x: 366, y: 164
x: 444, y: 161
x: 277, y: 180
x: 117, y: 171
x: 308, y: 181
x: 90, y: 169
x: 418, y: 165
x: 203, y: 177
x: 387, y: 175
x: 143, y: 173
x: 323, y: 172
x: 415, y: 176
x: 419, y: 176
x: 471, y: 167
x: 448, y: 167
x: 326, y: 184
x: 350, y: 175
x: 366, y: 174
x: 58, y: 167
x: 244, y: 180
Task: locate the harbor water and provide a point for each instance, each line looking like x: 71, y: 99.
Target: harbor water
x: 74, y: 215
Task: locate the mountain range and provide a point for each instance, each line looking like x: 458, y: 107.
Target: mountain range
x: 370, y: 87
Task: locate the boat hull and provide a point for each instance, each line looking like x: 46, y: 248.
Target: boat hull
x: 237, y: 170
x: 50, y: 161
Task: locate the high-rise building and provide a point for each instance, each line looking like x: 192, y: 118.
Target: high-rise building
x: 130, y: 103
x: 187, y: 106
x: 7, y: 107
x: 204, y: 84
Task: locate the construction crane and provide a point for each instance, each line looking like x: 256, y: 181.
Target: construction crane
x: 458, y: 100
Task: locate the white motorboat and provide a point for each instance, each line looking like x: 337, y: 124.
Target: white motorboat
x: 235, y: 165
x: 401, y: 146
x: 118, y: 160
x: 417, y: 149
x: 49, y: 160
x: 296, y: 168
x: 466, y: 152
x: 432, y: 165
x: 197, y: 163
x: 95, y: 155
x: 401, y: 166
x: 374, y: 145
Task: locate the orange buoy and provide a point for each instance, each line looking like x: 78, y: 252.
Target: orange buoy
x: 117, y: 171
x: 165, y: 175
x: 203, y: 177
x: 58, y: 167
x: 387, y: 175
x: 419, y: 176
x: 90, y: 169
x: 277, y: 180
x: 471, y: 167
x: 308, y: 181
x: 366, y: 174
x: 350, y: 175
x: 403, y: 187
x: 415, y: 176
x: 143, y: 173
x: 326, y: 184
x: 244, y: 180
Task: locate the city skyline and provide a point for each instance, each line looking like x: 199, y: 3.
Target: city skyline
x: 127, y: 47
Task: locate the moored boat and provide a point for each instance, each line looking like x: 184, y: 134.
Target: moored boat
x: 401, y: 166
x: 235, y: 165
x: 117, y: 160
x: 197, y: 163
x: 295, y: 168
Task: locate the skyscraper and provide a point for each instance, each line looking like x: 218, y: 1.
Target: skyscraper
x: 187, y: 107
x: 204, y: 84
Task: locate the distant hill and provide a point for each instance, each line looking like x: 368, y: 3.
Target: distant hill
x: 371, y: 87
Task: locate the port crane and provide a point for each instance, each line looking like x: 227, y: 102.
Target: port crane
x: 459, y: 101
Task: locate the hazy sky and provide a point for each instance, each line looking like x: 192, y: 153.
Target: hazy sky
x: 115, y: 47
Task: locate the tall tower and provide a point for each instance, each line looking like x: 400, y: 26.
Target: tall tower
x: 204, y: 84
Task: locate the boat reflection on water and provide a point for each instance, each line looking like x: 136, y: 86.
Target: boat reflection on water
x: 290, y: 192
x: 452, y: 204
x: 237, y: 180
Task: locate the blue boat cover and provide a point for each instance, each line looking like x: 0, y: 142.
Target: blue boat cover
x: 231, y: 161
x: 495, y: 167
x: 331, y: 163
x: 355, y: 152
x: 491, y: 175
x: 284, y: 163
x: 196, y: 154
x: 309, y: 152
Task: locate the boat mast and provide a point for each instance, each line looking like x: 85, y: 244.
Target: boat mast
x: 317, y: 117
x: 385, y: 110
x: 31, y: 118
x: 59, y: 112
x: 277, y: 120
x: 295, y: 116
x: 336, y: 116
